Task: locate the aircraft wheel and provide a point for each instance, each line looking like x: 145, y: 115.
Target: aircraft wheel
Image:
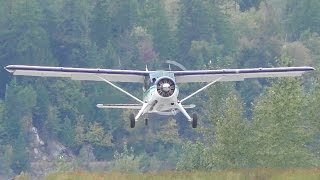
x: 146, y: 121
x: 132, y: 120
x: 194, y: 120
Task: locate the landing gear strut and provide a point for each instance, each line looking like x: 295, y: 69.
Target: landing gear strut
x: 132, y: 120
x: 194, y: 121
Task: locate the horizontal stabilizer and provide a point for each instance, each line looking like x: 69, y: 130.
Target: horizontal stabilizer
x: 190, y: 106
x: 132, y: 106
x: 120, y: 106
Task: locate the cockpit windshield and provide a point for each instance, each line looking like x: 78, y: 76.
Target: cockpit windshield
x: 155, y: 75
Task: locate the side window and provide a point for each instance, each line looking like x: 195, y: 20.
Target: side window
x: 153, y: 80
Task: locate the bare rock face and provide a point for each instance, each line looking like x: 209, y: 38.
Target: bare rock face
x: 37, y: 146
x: 57, y: 150
x: 44, y: 153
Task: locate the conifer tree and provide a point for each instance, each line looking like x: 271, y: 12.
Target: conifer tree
x: 301, y: 16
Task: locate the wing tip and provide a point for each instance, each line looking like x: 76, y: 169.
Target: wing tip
x: 9, y: 68
x: 308, y: 68
x: 312, y: 68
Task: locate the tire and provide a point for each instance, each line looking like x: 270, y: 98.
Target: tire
x: 132, y: 120
x: 146, y: 121
x: 194, y: 120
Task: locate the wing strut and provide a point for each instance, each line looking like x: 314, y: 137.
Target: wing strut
x: 201, y: 89
x: 141, y: 111
x: 120, y: 89
x: 184, y: 112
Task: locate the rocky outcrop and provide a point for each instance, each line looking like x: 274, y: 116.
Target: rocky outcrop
x: 43, y: 154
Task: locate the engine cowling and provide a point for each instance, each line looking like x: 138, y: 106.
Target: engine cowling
x: 166, y: 87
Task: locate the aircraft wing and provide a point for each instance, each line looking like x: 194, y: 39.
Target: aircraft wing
x: 237, y: 74
x: 89, y: 74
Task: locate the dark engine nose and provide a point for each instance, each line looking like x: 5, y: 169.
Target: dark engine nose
x: 166, y: 87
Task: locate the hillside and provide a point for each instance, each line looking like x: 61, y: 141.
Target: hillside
x: 52, y: 124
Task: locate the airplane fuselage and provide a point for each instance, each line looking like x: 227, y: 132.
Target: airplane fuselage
x: 158, y: 103
x: 162, y: 93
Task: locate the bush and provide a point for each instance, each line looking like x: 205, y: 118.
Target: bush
x: 126, y: 161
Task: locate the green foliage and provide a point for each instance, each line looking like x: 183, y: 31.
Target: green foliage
x: 202, y: 21
x: 2, y: 124
x: 61, y: 164
x: 247, y: 4
x: 158, y: 25
x: 194, y: 156
x: 97, y: 136
x: 312, y: 43
x: 281, y: 131
x: 24, y: 39
x: 216, y: 96
x: 6, y: 160
x: 67, y: 133
x: 19, y: 103
x: 41, y: 110
x: 259, y: 45
x: 126, y: 161
x: 312, y: 113
x: 232, y: 136
x: 53, y: 125
x: 23, y: 176
x: 20, y: 158
x: 301, y: 16
x: 71, y: 39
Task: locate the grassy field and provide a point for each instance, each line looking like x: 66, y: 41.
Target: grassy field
x: 259, y: 174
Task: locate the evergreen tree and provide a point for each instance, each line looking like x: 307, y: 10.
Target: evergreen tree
x: 23, y: 39
x: 301, y: 16
x: 67, y: 134
x: 101, y: 23
x: 20, y: 156
x: 195, y: 23
x: 202, y: 21
x: 19, y: 103
x: 71, y: 37
x: 158, y: 25
x: 40, y: 111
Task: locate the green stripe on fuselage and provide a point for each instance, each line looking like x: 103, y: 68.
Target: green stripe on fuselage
x: 147, y: 91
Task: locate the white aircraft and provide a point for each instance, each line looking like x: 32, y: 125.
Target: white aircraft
x: 160, y: 88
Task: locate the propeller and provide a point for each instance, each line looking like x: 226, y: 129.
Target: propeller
x: 175, y: 63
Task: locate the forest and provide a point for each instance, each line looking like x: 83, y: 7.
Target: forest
x: 53, y: 124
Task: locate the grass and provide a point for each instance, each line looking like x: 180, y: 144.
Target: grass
x: 254, y: 174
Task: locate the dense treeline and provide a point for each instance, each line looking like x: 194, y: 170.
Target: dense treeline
x: 255, y: 123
